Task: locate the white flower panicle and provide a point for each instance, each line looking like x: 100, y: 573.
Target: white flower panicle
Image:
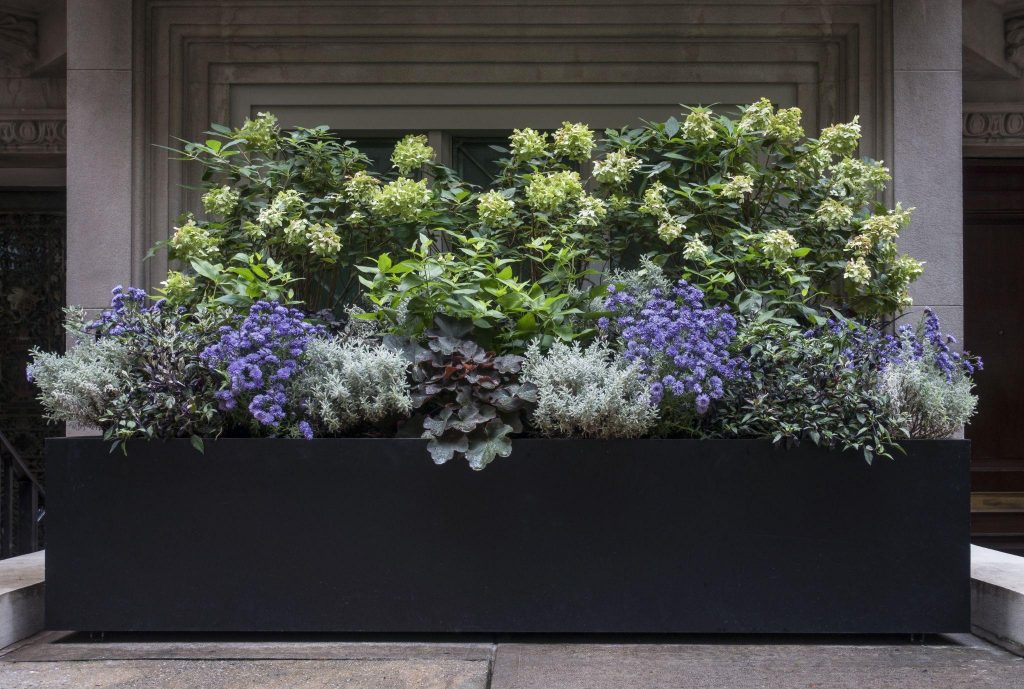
x: 527, y: 144
x: 220, y: 200
x: 411, y: 153
x: 616, y: 168
x: 574, y: 141
x: 494, y: 209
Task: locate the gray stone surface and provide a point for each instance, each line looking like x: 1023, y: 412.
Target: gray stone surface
x: 927, y: 174
x: 247, y: 674
x: 54, y: 660
x: 926, y: 34
x: 99, y: 184
x: 21, y: 597
x: 754, y: 666
x: 100, y: 35
x: 997, y: 597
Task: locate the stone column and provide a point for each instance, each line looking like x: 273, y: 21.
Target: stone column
x: 927, y: 159
x: 99, y: 157
x: 99, y: 154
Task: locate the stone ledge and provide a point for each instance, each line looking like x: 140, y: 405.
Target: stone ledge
x: 997, y: 598
x: 21, y: 597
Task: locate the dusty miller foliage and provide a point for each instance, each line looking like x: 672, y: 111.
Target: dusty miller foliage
x: 925, y: 403
x: 352, y: 383
x: 80, y: 386
x: 588, y: 393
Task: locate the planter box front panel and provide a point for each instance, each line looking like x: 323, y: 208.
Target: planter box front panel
x: 368, y: 535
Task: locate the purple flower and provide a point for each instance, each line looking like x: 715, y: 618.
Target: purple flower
x: 124, y: 317
x: 677, y: 343
x: 259, y: 356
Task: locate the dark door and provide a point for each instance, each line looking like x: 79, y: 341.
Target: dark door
x: 994, y: 328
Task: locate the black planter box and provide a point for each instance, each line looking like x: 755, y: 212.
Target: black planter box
x: 366, y: 535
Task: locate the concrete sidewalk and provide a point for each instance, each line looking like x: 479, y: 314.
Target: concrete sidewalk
x: 49, y: 661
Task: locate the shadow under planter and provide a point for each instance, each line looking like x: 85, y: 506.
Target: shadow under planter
x: 628, y: 536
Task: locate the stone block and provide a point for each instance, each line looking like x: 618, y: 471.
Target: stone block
x: 997, y: 597
x: 99, y: 34
x: 926, y: 34
x: 99, y: 185
x: 928, y: 174
x: 21, y: 597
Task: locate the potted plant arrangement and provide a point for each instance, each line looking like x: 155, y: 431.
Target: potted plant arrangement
x: 673, y: 353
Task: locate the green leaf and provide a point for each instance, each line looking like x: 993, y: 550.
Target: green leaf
x: 197, y: 443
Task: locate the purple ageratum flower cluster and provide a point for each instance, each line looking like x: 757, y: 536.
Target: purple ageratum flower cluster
x: 678, y: 344
x: 127, y: 306
x: 260, y: 356
x: 930, y: 342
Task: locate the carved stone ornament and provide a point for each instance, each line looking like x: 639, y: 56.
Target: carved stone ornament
x: 17, y: 44
x: 33, y: 135
x: 1004, y: 127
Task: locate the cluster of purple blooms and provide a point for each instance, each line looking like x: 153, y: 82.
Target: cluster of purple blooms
x: 937, y: 346
x: 677, y: 343
x: 869, y: 346
x: 260, y: 356
x: 124, y: 317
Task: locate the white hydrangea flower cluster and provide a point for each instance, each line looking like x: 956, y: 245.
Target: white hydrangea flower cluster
x: 548, y: 192
x: 323, y: 240
x: 833, y: 214
x: 295, y: 232
x: 857, y: 271
x: 699, y: 126
x: 287, y: 205
x: 654, y: 200
x: 591, y: 211
x: 359, y: 188
x: 260, y: 133
x: 778, y: 245
x: 190, y: 241
x: 857, y: 179
x: 783, y: 125
x: 670, y: 227
x: 841, y: 139
x: 885, y: 228
x: 494, y: 209
x: 696, y: 250
x: 616, y: 168
x: 403, y: 199
x: 527, y: 144
x: 178, y: 287
x: 220, y: 200
x: 574, y: 141
x: 737, y: 187
x: 411, y: 153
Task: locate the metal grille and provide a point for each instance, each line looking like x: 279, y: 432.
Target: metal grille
x: 32, y: 273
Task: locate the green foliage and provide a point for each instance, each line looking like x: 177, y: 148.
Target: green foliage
x: 588, y: 393
x: 781, y: 226
x: 822, y: 387
x: 304, y: 204
x: 467, y: 399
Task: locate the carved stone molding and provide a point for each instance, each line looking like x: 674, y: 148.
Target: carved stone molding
x: 33, y: 135
x: 999, y: 127
x: 17, y: 44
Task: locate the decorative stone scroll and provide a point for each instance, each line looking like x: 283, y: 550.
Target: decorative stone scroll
x: 17, y: 44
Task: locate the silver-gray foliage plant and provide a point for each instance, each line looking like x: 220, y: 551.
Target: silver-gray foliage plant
x: 79, y: 387
x: 588, y: 393
x: 350, y: 382
x: 926, y: 401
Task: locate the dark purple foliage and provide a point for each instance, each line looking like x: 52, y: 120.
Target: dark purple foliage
x: 679, y: 345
